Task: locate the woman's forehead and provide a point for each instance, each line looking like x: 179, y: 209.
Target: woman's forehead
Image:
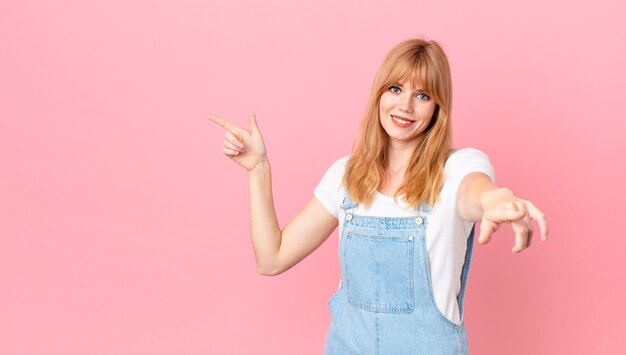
x: 412, y: 81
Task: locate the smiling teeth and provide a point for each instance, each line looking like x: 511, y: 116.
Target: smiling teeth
x: 399, y: 120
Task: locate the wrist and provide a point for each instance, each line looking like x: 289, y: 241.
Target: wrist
x: 492, y: 194
x: 262, y: 166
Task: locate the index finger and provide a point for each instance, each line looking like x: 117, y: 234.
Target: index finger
x: 226, y: 124
x: 536, y: 214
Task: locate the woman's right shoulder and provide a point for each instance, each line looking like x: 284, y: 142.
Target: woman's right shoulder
x: 340, y: 163
x: 334, y: 174
x: 329, y: 189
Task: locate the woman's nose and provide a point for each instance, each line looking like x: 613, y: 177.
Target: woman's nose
x: 406, y: 103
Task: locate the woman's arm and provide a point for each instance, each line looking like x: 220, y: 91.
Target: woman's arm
x: 478, y: 199
x: 275, y: 250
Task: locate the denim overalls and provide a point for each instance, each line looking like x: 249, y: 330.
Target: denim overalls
x: 385, y: 305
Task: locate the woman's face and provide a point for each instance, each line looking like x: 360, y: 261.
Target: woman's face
x: 405, y: 112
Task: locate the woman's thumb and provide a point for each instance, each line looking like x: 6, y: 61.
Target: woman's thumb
x: 253, y: 125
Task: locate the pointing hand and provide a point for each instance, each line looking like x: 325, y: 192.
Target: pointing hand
x: 245, y: 147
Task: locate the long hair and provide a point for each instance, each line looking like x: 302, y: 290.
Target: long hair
x: 424, y: 64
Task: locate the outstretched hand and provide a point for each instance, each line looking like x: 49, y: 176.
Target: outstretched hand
x: 245, y: 147
x: 501, y: 206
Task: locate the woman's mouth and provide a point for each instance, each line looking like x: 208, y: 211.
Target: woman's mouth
x: 401, y: 121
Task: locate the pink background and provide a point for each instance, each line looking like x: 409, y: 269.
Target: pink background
x: 124, y: 230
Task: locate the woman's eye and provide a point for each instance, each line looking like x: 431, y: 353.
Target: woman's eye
x: 423, y: 97
x: 395, y: 89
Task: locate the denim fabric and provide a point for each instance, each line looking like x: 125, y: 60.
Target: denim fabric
x: 385, y: 303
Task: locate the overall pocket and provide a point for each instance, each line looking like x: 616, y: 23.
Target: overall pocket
x: 379, y: 272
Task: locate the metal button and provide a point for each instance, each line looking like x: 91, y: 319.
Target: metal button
x: 419, y: 221
x: 349, y: 217
x: 410, y: 237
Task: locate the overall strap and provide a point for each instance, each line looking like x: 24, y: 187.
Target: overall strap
x: 423, y: 209
x: 347, y: 203
x: 465, y: 272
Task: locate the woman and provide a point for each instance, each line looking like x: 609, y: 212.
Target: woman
x: 405, y: 203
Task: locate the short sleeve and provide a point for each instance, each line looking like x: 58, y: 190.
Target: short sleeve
x: 466, y: 161
x: 328, y: 190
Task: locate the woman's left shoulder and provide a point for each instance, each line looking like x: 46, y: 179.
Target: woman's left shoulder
x: 466, y: 160
x: 465, y: 154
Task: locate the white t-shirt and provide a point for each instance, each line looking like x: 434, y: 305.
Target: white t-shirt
x: 446, y: 233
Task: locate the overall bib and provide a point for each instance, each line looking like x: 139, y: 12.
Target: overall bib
x: 385, y: 303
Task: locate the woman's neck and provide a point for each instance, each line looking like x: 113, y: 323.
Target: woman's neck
x: 399, y: 156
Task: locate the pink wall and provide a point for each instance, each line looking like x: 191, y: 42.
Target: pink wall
x: 123, y: 229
